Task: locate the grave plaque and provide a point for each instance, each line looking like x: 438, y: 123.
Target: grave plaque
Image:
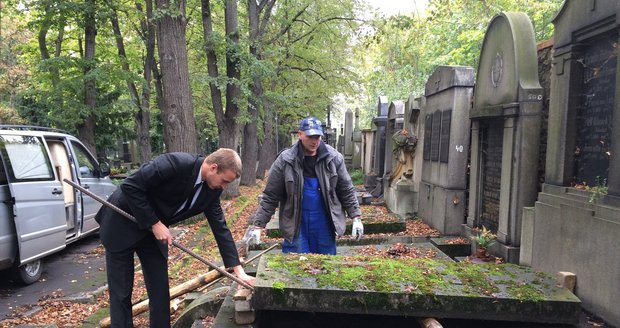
x: 595, y: 115
x: 444, y: 144
x: 435, y: 133
x: 428, y: 127
x: 492, y: 140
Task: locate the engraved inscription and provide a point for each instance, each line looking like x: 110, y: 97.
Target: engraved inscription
x: 435, y: 135
x: 428, y: 128
x: 491, y: 157
x: 444, y: 144
x: 595, y: 114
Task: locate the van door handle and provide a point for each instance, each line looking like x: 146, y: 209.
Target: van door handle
x: 86, y: 186
x: 56, y: 191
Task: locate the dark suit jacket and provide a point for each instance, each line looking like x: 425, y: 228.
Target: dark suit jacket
x: 154, y: 193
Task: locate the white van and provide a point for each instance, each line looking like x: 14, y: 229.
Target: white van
x: 40, y: 214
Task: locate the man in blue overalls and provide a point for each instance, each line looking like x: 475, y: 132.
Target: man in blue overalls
x: 310, y: 184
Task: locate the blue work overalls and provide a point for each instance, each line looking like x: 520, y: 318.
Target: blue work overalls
x: 316, y: 234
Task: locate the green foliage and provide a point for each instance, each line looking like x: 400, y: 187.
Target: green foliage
x: 357, y: 176
x: 398, y: 54
x: 597, y: 190
x: 483, y: 237
x: 313, y: 53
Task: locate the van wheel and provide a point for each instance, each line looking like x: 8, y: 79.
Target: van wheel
x: 28, y: 273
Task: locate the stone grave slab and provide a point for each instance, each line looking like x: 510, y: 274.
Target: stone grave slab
x: 340, y: 242
x: 411, y: 287
x: 395, y: 249
x: 384, y: 223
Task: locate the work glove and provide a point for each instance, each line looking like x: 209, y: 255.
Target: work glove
x: 358, y: 228
x: 252, y: 236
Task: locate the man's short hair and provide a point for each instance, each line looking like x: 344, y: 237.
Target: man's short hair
x: 226, y: 159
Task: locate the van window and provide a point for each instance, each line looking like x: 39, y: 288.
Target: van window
x: 86, y: 163
x: 26, y: 158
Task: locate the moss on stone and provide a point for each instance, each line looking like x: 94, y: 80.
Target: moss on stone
x: 419, y: 276
x: 525, y: 292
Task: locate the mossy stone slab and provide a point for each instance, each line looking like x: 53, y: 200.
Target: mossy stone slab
x: 411, y: 287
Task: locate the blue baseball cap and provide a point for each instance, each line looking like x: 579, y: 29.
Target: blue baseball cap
x: 311, y: 126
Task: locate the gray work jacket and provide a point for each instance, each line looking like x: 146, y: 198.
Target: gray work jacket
x: 285, y: 189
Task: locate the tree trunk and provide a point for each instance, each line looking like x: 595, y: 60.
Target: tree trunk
x: 258, y: 27
x: 177, y: 113
x: 268, y: 150
x: 46, y: 23
x: 86, y: 130
x: 216, y: 94
x: 141, y: 104
x: 249, y: 155
x: 229, y: 134
x: 143, y: 116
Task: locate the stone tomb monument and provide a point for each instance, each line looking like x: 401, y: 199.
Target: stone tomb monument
x: 446, y: 141
x: 398, y: 188
x: 571, y: 229
x: 379, y: 125
x: 506, y: 119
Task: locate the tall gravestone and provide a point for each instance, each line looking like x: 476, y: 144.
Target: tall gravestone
x: 379, y: 122
x: 366, y: 150
x: 506, y: 119
x: 571, y: 229
x: 416, y: 127
x: 448, y: 96
x: 357, y: 142
x: 348, y: 138
x: 340, y: 144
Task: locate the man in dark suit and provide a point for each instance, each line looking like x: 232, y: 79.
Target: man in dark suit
x: 170, y: 188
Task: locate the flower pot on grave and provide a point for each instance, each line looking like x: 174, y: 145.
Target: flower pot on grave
x: 481, y: 252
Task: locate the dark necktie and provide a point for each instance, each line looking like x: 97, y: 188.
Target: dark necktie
x: 188, y: 203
